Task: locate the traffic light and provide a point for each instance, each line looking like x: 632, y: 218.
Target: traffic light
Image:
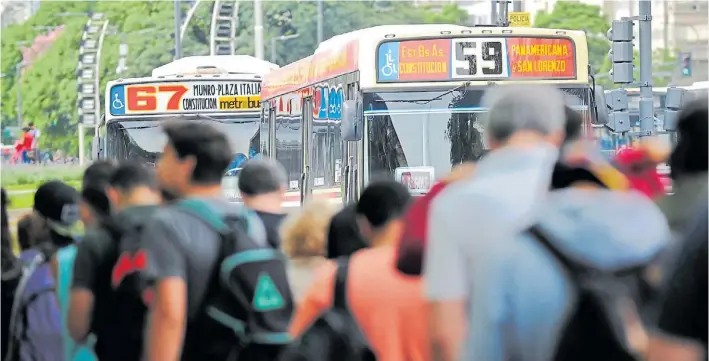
x: 673, y: 104
x: 619, y: 117
x: 686, y: 64
x: 621, y: 54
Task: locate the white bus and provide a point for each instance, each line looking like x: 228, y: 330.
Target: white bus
x: 403, y: 101
x: 224, y: 90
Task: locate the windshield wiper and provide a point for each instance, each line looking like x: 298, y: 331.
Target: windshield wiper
x: 463, y: 86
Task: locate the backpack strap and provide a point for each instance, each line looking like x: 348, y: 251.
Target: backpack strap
x: 572, y: 267
x: 19, y: 303
x: 204, y: 212
x: 340, y: 293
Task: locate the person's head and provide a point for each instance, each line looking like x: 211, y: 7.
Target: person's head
x: 690, y: 155
x: 581, y: 166
x: 56, y: 205
x: 523, y: 113
x: 573, y: 125
x: 195, y: 156
x: 31, y: 125
x: 304, y: 233
x: 94, y: 200
x: 133, y: 183
x: 25, y: 130
x: 380, y: 210
x: 32, y: 229
x: 262, y: 184
x: 343, y: 235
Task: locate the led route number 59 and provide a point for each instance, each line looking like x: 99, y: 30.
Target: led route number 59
x: 144, y: 98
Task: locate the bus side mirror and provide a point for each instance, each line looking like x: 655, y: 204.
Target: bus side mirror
x: 352, y: 126
x: 601, y: 116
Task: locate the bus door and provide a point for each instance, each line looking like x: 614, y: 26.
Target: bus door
x: 307, y: 136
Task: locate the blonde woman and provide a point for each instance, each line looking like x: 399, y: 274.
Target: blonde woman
x: 304, y: 236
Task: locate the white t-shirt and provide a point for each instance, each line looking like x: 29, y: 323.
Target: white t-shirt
x: 35, y: 137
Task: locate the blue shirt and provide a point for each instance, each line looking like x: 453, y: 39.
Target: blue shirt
x: 65, y: 262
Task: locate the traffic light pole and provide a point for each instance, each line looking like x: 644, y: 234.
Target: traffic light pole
x: 647, y: 104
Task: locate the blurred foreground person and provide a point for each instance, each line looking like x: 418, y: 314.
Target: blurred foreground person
x: 304, y: 236
x: 94, y: 201
x: 413, y: 243
x: 688, y: 166
x: 524, y: 127
x: 639, y: 164
x: 551, y: 294
x: 11, y: 274
x: 106, y: 292
x: 343, y: 235
x: 387, y: 306
x: 681, y: 333
x: 38, y: 324
x: 195, y: 242
x: 262, y: 184
x: 412, y: 246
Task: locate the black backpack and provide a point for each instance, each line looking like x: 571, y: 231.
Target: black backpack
x: 127, y: 287
x: 248, y: 306
x: 606, y: 322
x: 335, y: 335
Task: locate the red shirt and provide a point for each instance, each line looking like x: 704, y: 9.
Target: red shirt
x: 25, y: 143
x: 641, y: 171
x: 412, y: 246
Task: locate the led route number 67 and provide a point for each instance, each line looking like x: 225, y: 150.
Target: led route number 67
x: 144, y: 98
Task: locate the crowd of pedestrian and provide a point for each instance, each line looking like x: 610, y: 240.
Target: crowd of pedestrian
x: 542, y: 250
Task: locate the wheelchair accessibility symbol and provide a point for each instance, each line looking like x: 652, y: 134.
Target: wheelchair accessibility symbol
x: 388, y: 69
x: 117, y: 100
x: 117, y: 103
x: 388, y: 61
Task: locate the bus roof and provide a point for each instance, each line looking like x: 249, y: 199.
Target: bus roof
x: 356, y: 51
x: 235, y: 64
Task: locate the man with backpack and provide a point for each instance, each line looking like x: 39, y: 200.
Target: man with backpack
x: 106, y: 293
x: 570, y: 286
x: 217, y: 281
x: 37, y: 323
x: 524, y: 128
x: 262, y: 184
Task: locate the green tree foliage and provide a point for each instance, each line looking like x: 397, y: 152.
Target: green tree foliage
x: 49, y: 87
x: 574, y: 15
x: 664, y: 67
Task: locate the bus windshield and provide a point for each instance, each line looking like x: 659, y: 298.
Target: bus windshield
x: 141, y: 138
x: 435, y: 129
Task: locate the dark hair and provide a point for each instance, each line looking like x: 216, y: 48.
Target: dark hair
x: 93, y: 190
x: 343, y: 235
x: 382, y: 202
x: 574, y: 124
x: 261, y: 176
x: 26, y: 129
x: 31, y: 124
x: 690, y: 154
x: 207, y: 145
x: 131, y: 174
x: 24, y: 232
x: 98, y: 174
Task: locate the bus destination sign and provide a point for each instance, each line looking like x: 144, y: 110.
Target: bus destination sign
x: 476, y: 59
x: 221, y: 96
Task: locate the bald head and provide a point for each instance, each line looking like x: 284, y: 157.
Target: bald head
x: 517, y: 108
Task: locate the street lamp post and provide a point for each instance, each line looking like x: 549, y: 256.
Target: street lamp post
x: 276, y: 39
